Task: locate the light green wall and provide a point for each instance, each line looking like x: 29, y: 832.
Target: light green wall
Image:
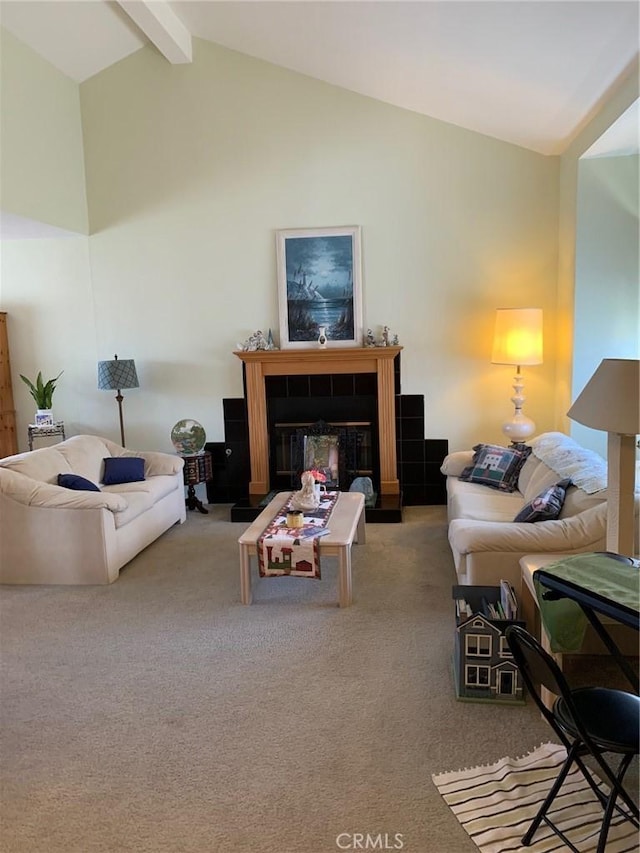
x: 41, y: 165
x: 618, y: 99
x: 191, y: 170
x: 607, y: 299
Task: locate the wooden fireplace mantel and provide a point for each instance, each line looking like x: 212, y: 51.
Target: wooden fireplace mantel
x: 261, y: 363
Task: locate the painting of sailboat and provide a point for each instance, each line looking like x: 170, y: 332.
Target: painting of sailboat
x: 319, y: 284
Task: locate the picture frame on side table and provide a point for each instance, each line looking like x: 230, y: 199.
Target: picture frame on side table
x: 319, y: 284
x: 43, y: 419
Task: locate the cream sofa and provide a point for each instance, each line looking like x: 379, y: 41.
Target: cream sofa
x: 55, y: 535
x: 485, y: 541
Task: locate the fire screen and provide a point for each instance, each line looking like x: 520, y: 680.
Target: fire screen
x: 325, y: 448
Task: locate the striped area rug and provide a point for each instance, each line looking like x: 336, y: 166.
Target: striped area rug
x: 496, y: 804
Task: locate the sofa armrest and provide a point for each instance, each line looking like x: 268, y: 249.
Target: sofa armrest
x: 31, y: 492
x: 454, y: 464
x: 564, y: 534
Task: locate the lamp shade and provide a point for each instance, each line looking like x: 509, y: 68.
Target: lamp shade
x: 117, y: 374
x: 610, y: 401
x: 518, y: 336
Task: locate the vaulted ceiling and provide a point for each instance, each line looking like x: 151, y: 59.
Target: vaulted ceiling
x: 530, y: 73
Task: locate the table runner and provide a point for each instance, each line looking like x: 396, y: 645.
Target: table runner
x: 293, y: 551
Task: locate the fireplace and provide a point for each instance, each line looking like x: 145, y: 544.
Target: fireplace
x: 300, y: 367
x: 301, y: 397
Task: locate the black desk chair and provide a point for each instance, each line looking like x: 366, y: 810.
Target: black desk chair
x: 589, y: 721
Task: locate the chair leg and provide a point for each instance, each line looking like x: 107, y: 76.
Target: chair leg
x: 542, y: 812
x: 615, y: 783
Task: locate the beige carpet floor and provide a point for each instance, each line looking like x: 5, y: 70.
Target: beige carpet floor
x: 159, y: 715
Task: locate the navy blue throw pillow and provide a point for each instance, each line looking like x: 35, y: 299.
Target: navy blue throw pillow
x: 75, y: 481
x: 123, y: 469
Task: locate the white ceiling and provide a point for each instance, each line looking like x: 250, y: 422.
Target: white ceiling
x: 525, y: 71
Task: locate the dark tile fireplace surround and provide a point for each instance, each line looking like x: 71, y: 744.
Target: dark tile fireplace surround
x: 337, y: 397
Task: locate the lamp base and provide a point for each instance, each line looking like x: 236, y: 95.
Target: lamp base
x: 519, y: 428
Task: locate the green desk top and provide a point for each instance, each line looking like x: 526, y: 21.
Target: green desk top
x: 563, y: 619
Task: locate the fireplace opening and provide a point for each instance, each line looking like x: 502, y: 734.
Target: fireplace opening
x: 352, y: 416
x: 355, y: 446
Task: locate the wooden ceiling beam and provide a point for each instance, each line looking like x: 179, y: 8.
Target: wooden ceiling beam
x: 162, y: 27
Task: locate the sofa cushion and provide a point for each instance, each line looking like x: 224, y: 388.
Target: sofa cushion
x: 75, y: 481
x: 495, y: 466
x: 137, y: 503
x: 42, y: 465
x: 527, y: 471
x: 155, y: 487
x: 545, y: 506
x: 122, y: 469
x: 84, y: 454
x: 541, y: 478
x: 473, y: 501
x: 577, y: 500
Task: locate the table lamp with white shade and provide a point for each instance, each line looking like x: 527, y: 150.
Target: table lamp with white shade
x: 610, y: 401
x: 517, y: 341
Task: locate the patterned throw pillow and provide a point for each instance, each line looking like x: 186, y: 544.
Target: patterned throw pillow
x: 496, y: 466
x: 547, y: 505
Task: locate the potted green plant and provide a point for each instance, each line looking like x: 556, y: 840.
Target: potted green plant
x: 42, y: 393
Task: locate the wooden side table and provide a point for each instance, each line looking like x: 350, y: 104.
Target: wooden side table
x: 34, y: 431
x: 197, y: 469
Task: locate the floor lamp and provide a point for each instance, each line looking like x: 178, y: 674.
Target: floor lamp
x: 610, y: 401
x: 114, y: 376
x: 517, y: 341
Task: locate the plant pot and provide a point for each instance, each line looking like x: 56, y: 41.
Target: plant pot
x: 44, y: 417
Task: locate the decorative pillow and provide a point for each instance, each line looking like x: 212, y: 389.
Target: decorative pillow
x: 547, y: 505
x: 496, y: 466
x: 123, y: 469
x: 75, y: 481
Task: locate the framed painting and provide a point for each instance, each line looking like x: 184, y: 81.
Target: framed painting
x: 319, y: 284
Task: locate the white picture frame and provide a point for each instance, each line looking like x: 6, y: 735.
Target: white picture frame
x: 319, y: 284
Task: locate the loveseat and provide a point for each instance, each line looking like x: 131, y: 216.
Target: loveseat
x: 52, y: 534
x: 487, y: 543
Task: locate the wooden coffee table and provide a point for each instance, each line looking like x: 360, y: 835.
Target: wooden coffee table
x: 346, y: 523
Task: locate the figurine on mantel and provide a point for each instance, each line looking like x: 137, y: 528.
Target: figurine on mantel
x: 257, y: 341
x: 386, y: 339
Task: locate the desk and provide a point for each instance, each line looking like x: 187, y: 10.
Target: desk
x: 573, y: 590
